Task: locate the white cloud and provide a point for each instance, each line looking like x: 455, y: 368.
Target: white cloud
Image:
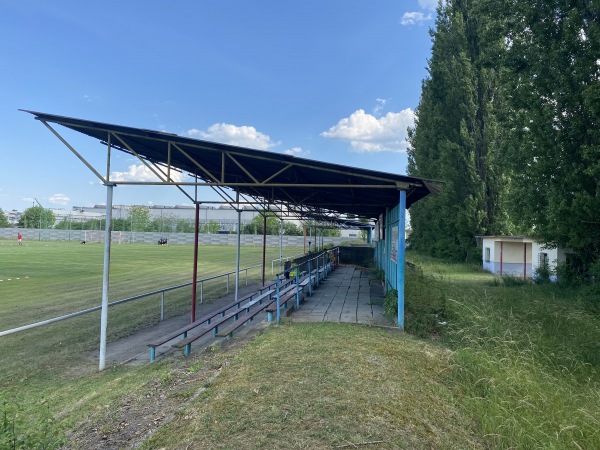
x: 59, y: 199
x: 244, y: 136
x: 139, y: 172
x: 379, y: 107
x: 90, y: 98
x: 415, y: 18
x: 296, y: 151
x: 367, y: 133
x: 428, y: 4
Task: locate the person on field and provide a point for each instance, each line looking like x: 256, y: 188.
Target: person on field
x: 20, y: 238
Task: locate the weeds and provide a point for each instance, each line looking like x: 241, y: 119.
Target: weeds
x: 424, y: 304
x: 40, y: 431
x: 526, y: 362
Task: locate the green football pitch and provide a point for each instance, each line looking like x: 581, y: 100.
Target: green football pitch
x: 41, y: 280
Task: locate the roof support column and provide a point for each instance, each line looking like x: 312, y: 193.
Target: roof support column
x: 105, y: 275
x: 280, y: 244
x: 195, y: 268
x: 401, y: 256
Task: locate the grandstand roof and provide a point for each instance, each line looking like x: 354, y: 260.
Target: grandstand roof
x: 307, y: 186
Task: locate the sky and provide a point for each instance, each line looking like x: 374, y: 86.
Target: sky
x: 331, y: 80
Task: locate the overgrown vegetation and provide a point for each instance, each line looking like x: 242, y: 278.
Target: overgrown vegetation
x: 424, y: 304
x: 526, y: 361
x: 28, y: 426
x: 508, y: 117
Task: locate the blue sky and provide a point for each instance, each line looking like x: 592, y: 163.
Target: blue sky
x: 331, y: 80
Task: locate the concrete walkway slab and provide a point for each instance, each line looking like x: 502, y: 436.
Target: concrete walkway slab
x: 344, y: 297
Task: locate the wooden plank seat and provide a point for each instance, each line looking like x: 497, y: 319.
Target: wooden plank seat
x: 259, y: 300
x: 304, y: 282
x: 287, y: 301
x: 208, y: 319
x: 243, y: 320
x: 187, y: 342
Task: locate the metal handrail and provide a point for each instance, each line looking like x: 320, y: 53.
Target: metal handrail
x: 128, y: 299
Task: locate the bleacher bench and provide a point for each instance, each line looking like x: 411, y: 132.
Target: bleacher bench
x: 210, y: 319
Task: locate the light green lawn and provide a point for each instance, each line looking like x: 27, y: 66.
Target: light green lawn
x: 42, y: 280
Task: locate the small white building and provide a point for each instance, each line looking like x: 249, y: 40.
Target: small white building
x: 519, y: 256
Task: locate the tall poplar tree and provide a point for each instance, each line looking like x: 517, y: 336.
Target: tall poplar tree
x: 553, y: 150
x: 455, y: 138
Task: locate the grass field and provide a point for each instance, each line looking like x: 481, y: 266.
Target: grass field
x: 42, y: 280
x: 500, y: 365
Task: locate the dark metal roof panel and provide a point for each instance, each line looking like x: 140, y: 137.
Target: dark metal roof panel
x: 271, y: 176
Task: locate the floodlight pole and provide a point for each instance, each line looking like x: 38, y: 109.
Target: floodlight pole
x: 401, y: 256
x: 105, y: 275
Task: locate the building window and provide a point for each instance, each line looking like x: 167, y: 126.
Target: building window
x: 487, y: 254
x: 543, y: 260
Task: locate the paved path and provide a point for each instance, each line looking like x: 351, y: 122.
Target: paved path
x: 348, y: 295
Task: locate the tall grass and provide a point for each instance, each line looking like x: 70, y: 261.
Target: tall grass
x: 526, y: 358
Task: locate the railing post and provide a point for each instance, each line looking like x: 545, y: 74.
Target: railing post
x: 277, y: 297
x: 201, y: 289
x: 162, y: 306
x: 228, y: 283
x: 298, y: 287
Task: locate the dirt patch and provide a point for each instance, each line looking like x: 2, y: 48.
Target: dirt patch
x: 140, y: 414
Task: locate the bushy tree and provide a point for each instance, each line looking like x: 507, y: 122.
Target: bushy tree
x: 3, y: 220
x: 36, y: 217
x: 257, y: 223
x: 139, y: 216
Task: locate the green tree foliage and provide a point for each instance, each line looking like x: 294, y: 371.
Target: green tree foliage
x: 455, y: 138
x: 139, y: 217
x: 3, y: 220
x: 553, y: 144
x: 257, y: 224
x: 37, y: 217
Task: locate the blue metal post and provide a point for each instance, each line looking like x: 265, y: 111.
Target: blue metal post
x: 400, y: 265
